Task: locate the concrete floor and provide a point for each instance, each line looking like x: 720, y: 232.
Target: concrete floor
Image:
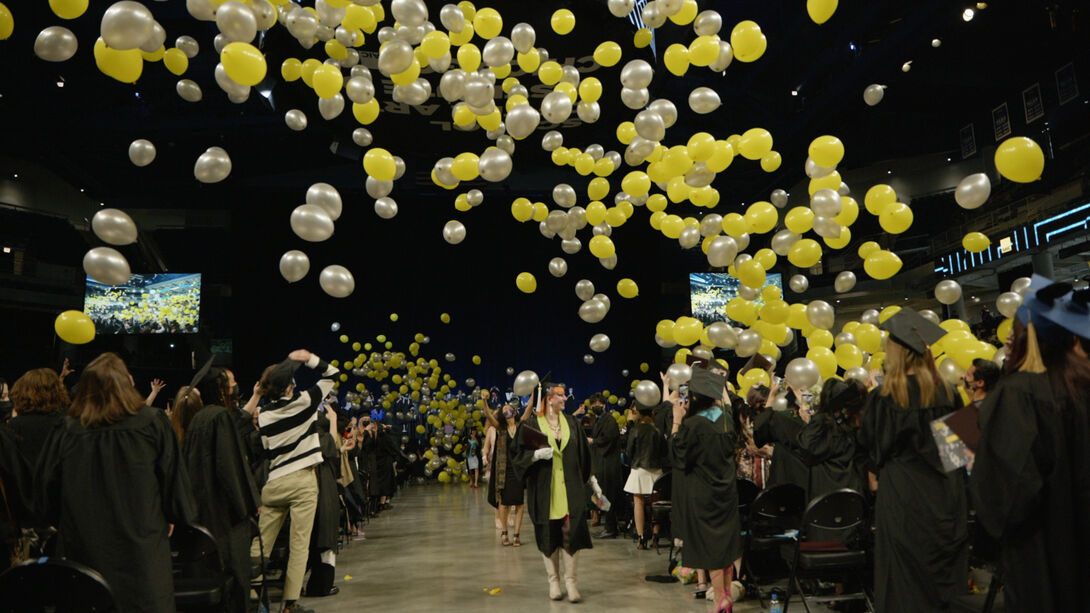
x: 438, y: 550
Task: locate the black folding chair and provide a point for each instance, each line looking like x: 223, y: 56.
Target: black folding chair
x: 56, y: 585
x: 829, y: 547
x: 747, y: 493
x: 200, y: 581
x: 772, y: 515
x: 661, y: 507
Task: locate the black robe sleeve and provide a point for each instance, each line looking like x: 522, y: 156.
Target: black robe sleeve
x: 178, y: 504
x: 819, y: 441
x: 233, y: 471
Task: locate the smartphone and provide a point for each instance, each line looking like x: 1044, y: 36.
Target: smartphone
x: 683, y: 393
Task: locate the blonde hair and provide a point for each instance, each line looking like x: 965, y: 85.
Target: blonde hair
x: 1032, y: 362
x: 899, y: 361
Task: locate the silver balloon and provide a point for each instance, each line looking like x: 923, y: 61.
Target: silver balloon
x: 798, y: 284
x: 551, y: 141
x: 495, y: 165
x: 189, y: 90
x: 635, y: 98
x: 497, y: 52
x: 474, y: 197
x: 721, y: 251
x: 327, y: 197
x: 337, y: 281
x: 311, y: 222
x: 522, y: 120
x: 546, y: 231
x: 703, y: 100
x: 748, y: 293
x: 927, y: 314
x: 725, y: 57
x: 477, y: 90
x: 593, y: 311
x: 679, y: 374
x: 558, y: 267
x: 722, y: 335
x: 107, y: 266
x: 440, y: 64
x: 506, y: 143
x: 870, y: 316
x: 212, y: 166
x: 188, y: 45
x: 951, y: 372
x: 873, y: 94
x: 653, y: 15
x: 649, y: 125
x: 556, y: 107
x: 114, y: 226
x: 556, y: 220
x: 126, y: 25
x: 571, y: 246
x: 802, y: 373
x: 454, y: 232
x: 588, y: 112
x: 826, y: 202
x: 55, y: 44
x: 707, y: 23
x: 843, y: 190
x: 564, y: 195
x: 702, y: 351
x: 296, y: 120
x: 603, y: 229
x: 386, y: 208
x: 973, y: 191
x: 826, y: 227
x: 1000, y: 356
x: 648, y: 393
x: 608, y: 263
x: 857, y: 373
x: 588, y: 358
x: 689, y: 237
x: 236, y: 21
x: 449, y: 357
x: 816, y: 172
x: 523, y: 37
x: 820, y: 314
x: 749, y: 343
x: 845, y: 282
x: 410, y: 13
x: 510, y: 371
x: 335, y: 326
x: 699, y: 175
x: 231, y: 88
x: 452, y: 18
x: 1008, y: 303
x: 620, y: 8
x: 394, y: 57
x: 331, y: 108
x: 452, y: 85
x: 1021, y: 285
x: 141, y: 152
x: 294, y: 265
x: 637, y: 74
x: 362, y: 137
x: 844, y: 338
x: 661, y: 342
x: 743, y: 241
x: 599, y: 343
x: 584, y: 289
x: 948, y: 291
x: 360, y: 90
x: 711, y: 224
x: 378, y: 189
x: 525, y: 383
x: 782, y: 241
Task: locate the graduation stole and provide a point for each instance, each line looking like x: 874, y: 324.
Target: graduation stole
x: 501, y: 456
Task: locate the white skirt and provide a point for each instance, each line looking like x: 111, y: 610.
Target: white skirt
x: 471, y: 462
x: 642, y: 481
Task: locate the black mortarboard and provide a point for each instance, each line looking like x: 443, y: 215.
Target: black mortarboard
x: 706, y: 383
x: 912, y: 330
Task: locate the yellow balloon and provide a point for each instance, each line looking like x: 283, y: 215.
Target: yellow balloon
x: 755, y: 143
x: 405, y: 77
x: 868, y: 337
x: 687, y: 330
x: 751, y: 274
x: 644, y: 367
x: 590, y: 89
x: 597, y: 189
x: 735, y: 225
x: 74, y: 327
x: 154, y: 56
x: 358, y: 17
x: 435, y: 44
x: 465, y: 166
x: 366, y: 113
x: 849, y: 211
x: 540, y: 212
x: 867, y: 248
x: 568, y: 89
x: 722, y: 158
x: 607, y: 53
x: 761, y: 217
x: 550, y: 72
x: 335, y: 50
x: 445, y: 318
x: 975, y: 242
x: 7, y: 22
x: 476, y: 360
x: 748, y: 42
x: 626, y: 131
x: 771, y: 161
x: 291, y: 69
x: 804, y: 253
x: 820, y: 338
x: 469, y: 57
x: 526, y: 282
x: 896, y: 218
x: 825, y: 360
x: 601, y: 247
x: 125, y: 66
x: 882, y: 264
x: 488, y: 23
x: 65, y: 9
x: 458, y: 39
x: 820, y: 11
x: 841, y: 241
x: 687, y: 13
x: 848, y: 356
x: 636, y: 183
x: 1019, y: 159
x: 243, y: 63
x: 309, y: 66
x: 562, y: 21
x: 627, y: 288
x: 1004, y: 329
x: 799, y: 220
x: 328, y: 81
x: 665, y: 330
x: 878, y: 198
x: 379, y: 163
x: 704, y: 50
x: 826, y: 151
x: 829, y: 181
x: 770, y: 293
x: 490, y: 121
x: 767, y: 259
x: 642, y: 38
x: 676, y: 58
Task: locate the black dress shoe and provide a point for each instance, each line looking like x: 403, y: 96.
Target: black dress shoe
x: 606, y: 534
x: 333, y: 591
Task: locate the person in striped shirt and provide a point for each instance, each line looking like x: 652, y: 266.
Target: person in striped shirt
x: 288, y: 424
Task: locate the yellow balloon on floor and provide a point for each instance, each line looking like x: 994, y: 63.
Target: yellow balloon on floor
x: 526, y: 282
x: 820, y: 11
x: 243, y: 63
x: 125, y: 66
x: 1019, y: 159
x: 74, y: 327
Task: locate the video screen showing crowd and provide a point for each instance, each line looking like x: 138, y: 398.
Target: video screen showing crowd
x: 147, y: 304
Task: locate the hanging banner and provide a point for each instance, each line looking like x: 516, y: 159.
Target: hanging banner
x: 1001, y: 122
x: 1067, y: 83
x: 968, y: 142
x: 1032, y: 103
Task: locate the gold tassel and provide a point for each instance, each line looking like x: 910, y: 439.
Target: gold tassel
x: 1033, y: 361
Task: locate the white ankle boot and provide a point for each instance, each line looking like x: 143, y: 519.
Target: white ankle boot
x: 569, y: 576
x: 552, y: 570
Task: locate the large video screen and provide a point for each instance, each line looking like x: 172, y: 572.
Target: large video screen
x: 147, y: 304
x: 709, y: 293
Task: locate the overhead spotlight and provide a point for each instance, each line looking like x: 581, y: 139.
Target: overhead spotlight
x: 60, y: 83
x: 889, y: 172
x: 15, y: 176
x: 947, y: 159
x: 137, y: 94
x: 851, y: 46
x: 101, y: 204
x: 794, y: 92
x: 968, y: 14
x: 7, y: 249
x: 81, y: 190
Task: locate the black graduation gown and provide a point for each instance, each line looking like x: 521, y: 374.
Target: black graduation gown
x: 781, y: 428
x: 368, y: 462
x: 645, y: 447
x: 605, y: 456
x: 32, y: 430
x: 921, y: 515
x: 224, y: 489
x: 513, y: 492
x: 113, y: 491
x: 575, y: 457
x: 829, y: 450
x: 1031, y: 487
x: 15, y: 497
x: 386, y: 453
x: 705, y: 493
x: 327, y: 517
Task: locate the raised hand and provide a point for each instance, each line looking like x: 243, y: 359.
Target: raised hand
x: 66, y: 369
x: 157, y: 385
x: 299, y: 355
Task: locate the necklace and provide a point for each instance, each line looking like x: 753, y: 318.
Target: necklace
x: 556, y: 429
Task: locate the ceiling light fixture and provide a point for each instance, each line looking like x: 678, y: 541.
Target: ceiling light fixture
x: 7, y: 249
x: 60, y: 83
x: 851, y: 46
x: 889, y: 172
x: 15, y: 176
x: 794, y: 92
x: 968, y: 14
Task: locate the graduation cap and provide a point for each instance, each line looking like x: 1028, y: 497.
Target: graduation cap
x: 1072, y: 313
x: 1039, y: 300
x: 912, y: 330
x: 198, y: 378
x: 706, y: 383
